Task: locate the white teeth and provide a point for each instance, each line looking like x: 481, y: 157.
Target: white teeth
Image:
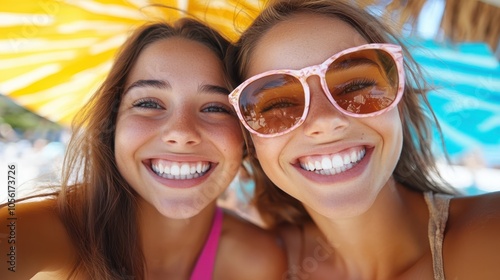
x: 354, y: 156
x: 337, y: 161
x: 177, y: 170
x: 310, y: 166
x: 326, y: 163
x: 184, y: 169
x: 317, y: 164
x: 333, y: 164
x: 347, y: 159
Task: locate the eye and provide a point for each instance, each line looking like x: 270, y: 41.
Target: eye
x: 217, y: 108
x: 356, y: 85
x: 278, y: 103
x: 147, y: 103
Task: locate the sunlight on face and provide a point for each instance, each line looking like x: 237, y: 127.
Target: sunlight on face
x: 331, y: 162
x: 178, y: 143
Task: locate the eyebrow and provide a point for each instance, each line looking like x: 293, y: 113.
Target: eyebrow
x: 214, y: 89
x: 354, y: 62
x: 159, y: 84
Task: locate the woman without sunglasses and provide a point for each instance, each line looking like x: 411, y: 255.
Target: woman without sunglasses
x: 339, y: 129
x: 156, y: 145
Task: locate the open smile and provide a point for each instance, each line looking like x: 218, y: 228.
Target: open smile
x: 334, y: 163
x: 179, y: 170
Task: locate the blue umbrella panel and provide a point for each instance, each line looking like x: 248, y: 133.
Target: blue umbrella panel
x: 465, y: 97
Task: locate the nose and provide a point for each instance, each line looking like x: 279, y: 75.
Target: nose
x: 323, y: 118
x: 181, y: 130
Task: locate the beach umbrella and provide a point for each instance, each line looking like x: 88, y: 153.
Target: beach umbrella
x: 465, y: 98
x: 55, y: 53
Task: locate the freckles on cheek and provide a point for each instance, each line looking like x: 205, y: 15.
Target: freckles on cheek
x: 266, y: 151
x: 129, y: 132
x: 388, y: 119
x: 229, y: 137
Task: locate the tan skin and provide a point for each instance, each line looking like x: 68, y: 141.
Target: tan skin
x: 466, y: 243
x: 42, y: 245
x: 376, y: 230
x: 171, y: 239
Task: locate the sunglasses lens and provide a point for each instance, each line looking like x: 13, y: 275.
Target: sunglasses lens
x: 364, y: 81
x: 272, y: 104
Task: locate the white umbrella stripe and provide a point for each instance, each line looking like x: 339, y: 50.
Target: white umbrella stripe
x: 28, y: 78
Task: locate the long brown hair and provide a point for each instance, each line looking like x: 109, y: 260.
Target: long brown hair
x: 416, y: 168
x: 96, y: 204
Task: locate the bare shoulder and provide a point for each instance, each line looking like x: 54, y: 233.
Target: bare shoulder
x: 249, y: 252
x: 476, y: 216
x: 472, y: 243
x: 32, y: 239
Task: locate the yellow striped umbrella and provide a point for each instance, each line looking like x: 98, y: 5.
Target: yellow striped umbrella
x: 55, y: 53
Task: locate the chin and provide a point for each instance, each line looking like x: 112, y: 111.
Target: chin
x: 343, y: 206
x: 182, y: 209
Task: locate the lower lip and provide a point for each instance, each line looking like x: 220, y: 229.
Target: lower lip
x: 347, y: 175
x: 181, y: 183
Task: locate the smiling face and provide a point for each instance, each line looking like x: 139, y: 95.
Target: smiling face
x: 334, y: 164
x: 178, y: 144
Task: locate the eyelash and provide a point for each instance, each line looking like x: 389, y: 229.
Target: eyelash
x: 218, y: 109
x: 146, y: 104
x: 357, y: 85
x: 280, y: 103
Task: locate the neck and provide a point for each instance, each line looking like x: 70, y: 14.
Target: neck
x: 383, y: 242
x: 172, y: 245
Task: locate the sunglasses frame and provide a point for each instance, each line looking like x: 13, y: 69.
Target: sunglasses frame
x: 303, y: 74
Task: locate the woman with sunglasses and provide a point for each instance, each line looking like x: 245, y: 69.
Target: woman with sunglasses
x: 150, y: 154
x: 333, y: 104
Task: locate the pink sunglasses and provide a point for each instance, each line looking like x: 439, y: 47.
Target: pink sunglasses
x: 363, y: 81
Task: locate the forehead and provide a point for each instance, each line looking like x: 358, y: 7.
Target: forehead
x: 176, y: 57
x: 301, y: 41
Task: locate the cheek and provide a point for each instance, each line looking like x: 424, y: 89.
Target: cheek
x: 395, y: 128
x: 390, y: 129
x: 259, y: 145
x: 130, y: 134
x: 267, y: 151
x: 229, y: 139
x: 387, y: 125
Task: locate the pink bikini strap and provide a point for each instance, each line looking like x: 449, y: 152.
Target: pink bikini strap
x: 204, y: 267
